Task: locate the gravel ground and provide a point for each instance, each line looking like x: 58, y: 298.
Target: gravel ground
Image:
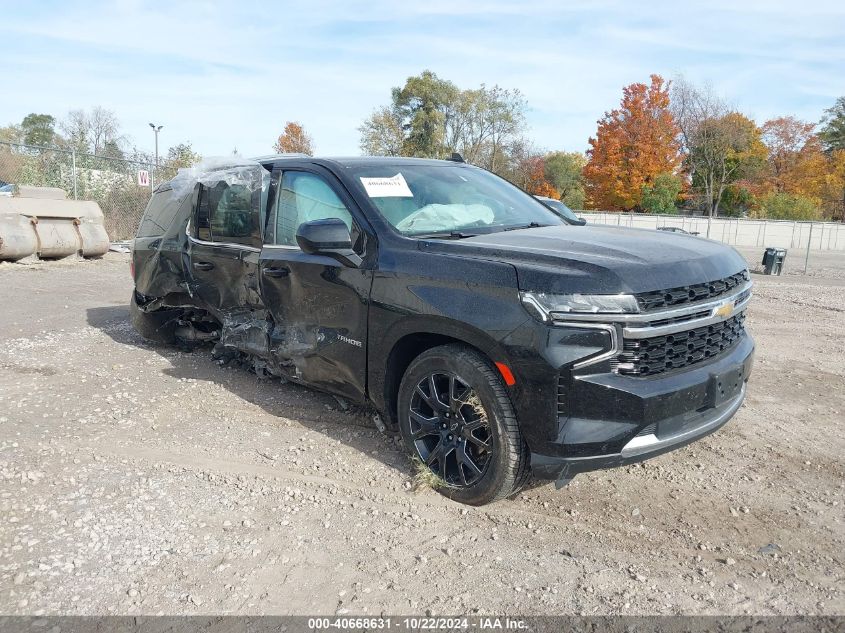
x: 137, y: 479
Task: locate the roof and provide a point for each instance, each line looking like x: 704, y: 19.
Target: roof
x: 357, y: 161
x: 269, y: 157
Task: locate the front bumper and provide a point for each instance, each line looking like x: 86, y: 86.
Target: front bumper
x: 607, y: 420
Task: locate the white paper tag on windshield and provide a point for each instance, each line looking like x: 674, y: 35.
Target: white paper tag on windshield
x: 394, y: 187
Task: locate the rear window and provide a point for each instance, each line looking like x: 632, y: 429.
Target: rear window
x: 159, y: 215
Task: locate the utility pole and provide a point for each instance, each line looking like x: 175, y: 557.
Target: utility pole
x: 156, y: 129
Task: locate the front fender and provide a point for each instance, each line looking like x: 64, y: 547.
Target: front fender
x: 423, y: 293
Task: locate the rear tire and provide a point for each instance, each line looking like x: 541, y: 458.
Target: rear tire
x: 159, y: 325
x: 457, y: 420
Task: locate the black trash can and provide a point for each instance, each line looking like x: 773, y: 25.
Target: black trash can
x: 773, y: 259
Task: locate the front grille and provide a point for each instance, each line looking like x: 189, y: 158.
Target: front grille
x: 659, y: 354
x: 684, y: 295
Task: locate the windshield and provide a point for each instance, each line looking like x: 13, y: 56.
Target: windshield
x: 449, y: 200
x: 562, y: 209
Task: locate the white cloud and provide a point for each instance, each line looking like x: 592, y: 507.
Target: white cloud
x: 229, y: 75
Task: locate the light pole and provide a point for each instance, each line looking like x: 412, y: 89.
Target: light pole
x: 156, y: 129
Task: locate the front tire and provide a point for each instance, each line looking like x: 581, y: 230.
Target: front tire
x: 456, y: 418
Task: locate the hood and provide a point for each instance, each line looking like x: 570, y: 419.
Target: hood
x: 601, y: 259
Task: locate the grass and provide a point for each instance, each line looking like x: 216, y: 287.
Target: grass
x: 424, y: 477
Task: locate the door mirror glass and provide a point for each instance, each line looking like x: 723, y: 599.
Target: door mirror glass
x: 327, y: 237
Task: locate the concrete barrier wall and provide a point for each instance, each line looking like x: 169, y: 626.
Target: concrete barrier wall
x: 826, y: 236
x: 48, y: 226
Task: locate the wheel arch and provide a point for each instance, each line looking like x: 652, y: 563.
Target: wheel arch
x: 413, y: 339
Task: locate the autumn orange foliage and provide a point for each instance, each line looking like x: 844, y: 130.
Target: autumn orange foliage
x: 633, y: 144
x: 797, y: 164
x: 295, y: 140
x: 536, y: 183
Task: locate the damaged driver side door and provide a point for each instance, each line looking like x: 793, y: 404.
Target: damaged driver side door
x: 318, y: 303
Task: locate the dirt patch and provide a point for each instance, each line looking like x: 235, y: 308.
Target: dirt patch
x: 142, y: 479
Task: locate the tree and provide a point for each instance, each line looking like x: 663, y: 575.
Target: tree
x: 75, y: 127
x: 724, y: 150
x: 482, y: 124
x: 11, y: 160
x: 536, y: 183
x: 431, y: 117
x: 633, y: 144
x: 499, y: 119
x: 796, y: 162
x: 97, y: 132
x: 833, y: 127
x: 563, y: 170
x: 832, y: 190
x: 105, y: 131
x: 382, y: 133
x: 424, y: 105
x: 787, y: 206
x: 38, y: 129
x: 721, y: 146
x: 661, y: 195
x: 181, y: 156
x: 11, y: 134
x: 801, y: 166
x: 694, y: 110
x: 520, y: 170
x: 112, y: 149
x: 739, y: 198
x: 294, y: 140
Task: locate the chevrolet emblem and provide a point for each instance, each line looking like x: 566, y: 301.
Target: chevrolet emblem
x: 724, y: 310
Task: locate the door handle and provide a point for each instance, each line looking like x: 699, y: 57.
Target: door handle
x: 203, y: 265
x: 276, y: 272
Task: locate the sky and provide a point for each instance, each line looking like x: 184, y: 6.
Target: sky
x: 228, y: 75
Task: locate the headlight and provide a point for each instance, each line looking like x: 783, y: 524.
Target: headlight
x: 548, y: 307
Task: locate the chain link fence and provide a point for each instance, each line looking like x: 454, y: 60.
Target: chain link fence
x: 110, y: 182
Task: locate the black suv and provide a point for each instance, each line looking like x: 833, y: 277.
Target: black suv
x: 498, y: 339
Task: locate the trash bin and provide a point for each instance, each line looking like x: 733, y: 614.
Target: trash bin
x: 773, y: 259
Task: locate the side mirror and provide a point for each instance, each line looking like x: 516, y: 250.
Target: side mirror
x: 328, y: 237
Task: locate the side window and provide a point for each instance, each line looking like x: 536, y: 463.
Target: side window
x: 203, y: 230
x: 304, y: 197
x: 228, y: 212
x: 159, y: 213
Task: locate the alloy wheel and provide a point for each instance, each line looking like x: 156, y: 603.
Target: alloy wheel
x: 450, y: 429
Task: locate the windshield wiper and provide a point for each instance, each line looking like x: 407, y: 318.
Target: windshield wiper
x: 443, y: 235
x: 530, y: 225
